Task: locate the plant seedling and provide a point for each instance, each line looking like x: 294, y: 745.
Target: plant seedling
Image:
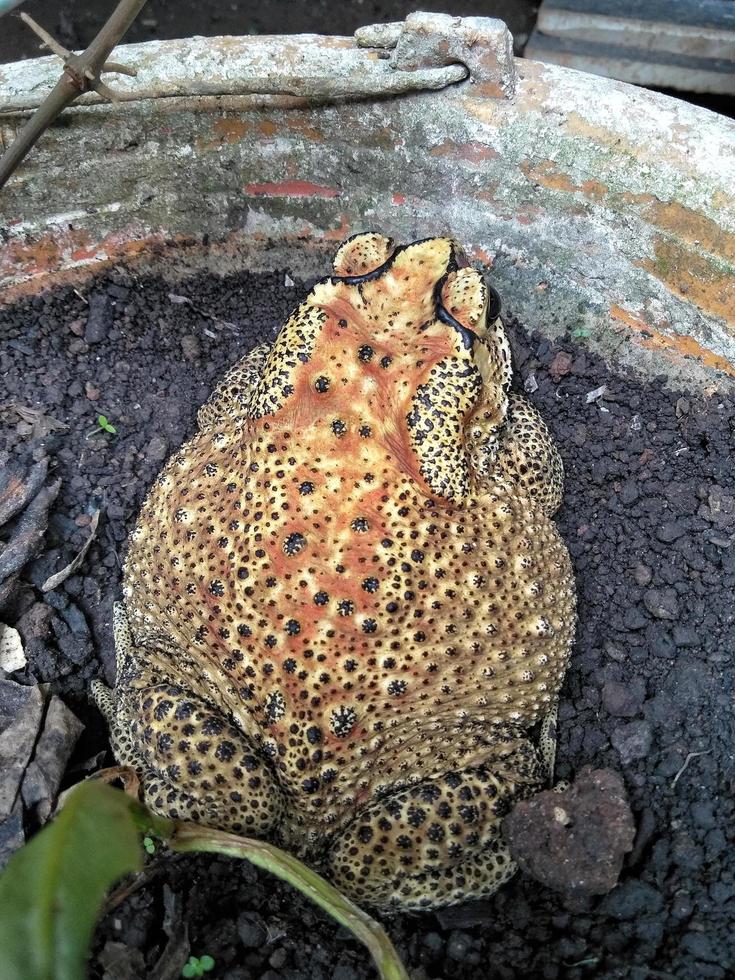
x: 197, y: 966
x: 104, y: 423
x: 149, y: 846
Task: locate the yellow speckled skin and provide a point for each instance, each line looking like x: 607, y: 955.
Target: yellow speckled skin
x: 345, y: 602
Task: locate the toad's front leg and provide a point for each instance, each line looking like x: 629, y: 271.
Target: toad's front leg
x: 519, y: 449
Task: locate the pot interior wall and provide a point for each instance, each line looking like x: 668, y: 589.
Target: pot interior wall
x: 599, y: 209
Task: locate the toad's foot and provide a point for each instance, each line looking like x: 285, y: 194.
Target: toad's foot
x: 438, y: 841
x: 193, y: 763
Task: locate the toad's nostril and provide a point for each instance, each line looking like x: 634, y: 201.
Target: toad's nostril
x: 460, y: 256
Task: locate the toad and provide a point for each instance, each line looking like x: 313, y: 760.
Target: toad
x: 347, y: 612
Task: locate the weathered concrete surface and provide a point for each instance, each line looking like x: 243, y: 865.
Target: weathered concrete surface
x: 483, y: 44
x: 307, y: 66
x: 379, y: 35
x: 668, y: 43
x: 599, y: 208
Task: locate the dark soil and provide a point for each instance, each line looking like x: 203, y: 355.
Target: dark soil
x: 649, y: 516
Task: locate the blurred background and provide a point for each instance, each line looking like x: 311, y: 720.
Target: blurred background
x: 684, y: 47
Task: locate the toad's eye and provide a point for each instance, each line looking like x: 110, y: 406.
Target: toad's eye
x: 493, y: 304
x: 468, y: 299
x: 462, y: 300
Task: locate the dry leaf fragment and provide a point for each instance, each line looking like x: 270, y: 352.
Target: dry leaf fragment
x: 28, y: 532
x: 39, y: 424
x: 58, y: 577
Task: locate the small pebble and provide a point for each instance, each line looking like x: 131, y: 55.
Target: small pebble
x: 633, y: 741
x: 662, y: 603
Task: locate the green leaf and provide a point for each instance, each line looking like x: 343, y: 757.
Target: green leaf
x: 104, y: 423
x: 189, y: 969
x: 52, y: 889
x: 206, y: 963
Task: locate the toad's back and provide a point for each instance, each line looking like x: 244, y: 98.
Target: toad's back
x: 309, y: 585
x: 345, y: 601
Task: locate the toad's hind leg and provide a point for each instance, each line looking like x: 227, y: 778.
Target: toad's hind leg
x: 230, y: 400
x: 438, y: 841
x: 520, y: 451
x: 193, y: 763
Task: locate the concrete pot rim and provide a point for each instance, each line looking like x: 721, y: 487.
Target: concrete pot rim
x: 599, y: 207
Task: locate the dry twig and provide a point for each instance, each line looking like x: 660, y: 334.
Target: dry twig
x: 81, y: 73
x: 690, y: 756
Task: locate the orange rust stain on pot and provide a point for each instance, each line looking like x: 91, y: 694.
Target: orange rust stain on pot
x: 593, y: 189
x: 578, y: 126
x: 482, y: 255
x: 687, y: 225
x: 488, y: 90
x: 225, y: 130
x: 486, y: 110
x: 297, y: 124
x: 291, y: 188
x: 42, y: 264
x: 339, y: 234
x: 547, y: 175
x: 33, y: 258
x: 472, y: 151
x: 234, y: 130
x: 675, y: 344
x: 82, y: 254
x: 231, y: 130
x: 694, y: 277
x: 51, y: 252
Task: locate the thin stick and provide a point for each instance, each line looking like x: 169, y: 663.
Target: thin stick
x: 690, y: 756
x: 81, y: 73
x: 60, y: 96
x: 51, y: 43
